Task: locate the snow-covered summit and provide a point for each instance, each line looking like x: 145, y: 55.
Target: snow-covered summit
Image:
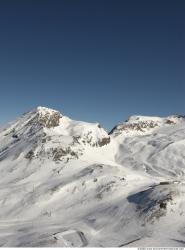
x: 142, y: 118
x: 138, y: 124
x: 44, y: 110
x: 45, y: 117
x: 44, y: 132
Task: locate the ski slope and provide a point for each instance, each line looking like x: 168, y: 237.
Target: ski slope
x: 67, y: 183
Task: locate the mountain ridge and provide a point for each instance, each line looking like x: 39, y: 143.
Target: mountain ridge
x: 42, y: 109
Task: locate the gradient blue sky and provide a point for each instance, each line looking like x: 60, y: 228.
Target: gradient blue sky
x: 94, y: 60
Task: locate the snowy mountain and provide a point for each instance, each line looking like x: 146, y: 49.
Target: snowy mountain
x: 46, y: 133
x: 70, y: 183
x: 153, y: 144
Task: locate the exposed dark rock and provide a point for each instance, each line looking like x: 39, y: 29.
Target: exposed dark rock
x: 137, y: 126
x: 58, y: 153
x: 29, y: 155
x: 104, y: 141
x: 49, y: 120
x: 163, y: 205
x: 43, y: 140
x: 169, y: 122
x: 164, y: 183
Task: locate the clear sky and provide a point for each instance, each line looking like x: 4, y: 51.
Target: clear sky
x: 94, y: 60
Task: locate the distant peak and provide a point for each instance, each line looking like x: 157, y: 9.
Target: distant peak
x: 139, y: 124
x: 142, y: 118
x: 138, y: 118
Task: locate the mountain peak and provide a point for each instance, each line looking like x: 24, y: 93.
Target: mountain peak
x: 48, y: 117
x: 139, y: 124
x: 142, y: 118
x: 43, y: 110
x: 138, y: 118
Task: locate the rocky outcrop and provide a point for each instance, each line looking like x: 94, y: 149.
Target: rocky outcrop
x: 104, y: 141
x: 49, y: 119
x: 139, y: 126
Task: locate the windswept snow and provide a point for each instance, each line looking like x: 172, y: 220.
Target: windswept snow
x: 67, y: 183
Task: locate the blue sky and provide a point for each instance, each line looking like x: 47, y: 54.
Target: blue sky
x: 94, y: 60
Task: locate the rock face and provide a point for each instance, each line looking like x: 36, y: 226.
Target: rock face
x: 139, y: 126
x: 104, y: 141
x: 48, y: 118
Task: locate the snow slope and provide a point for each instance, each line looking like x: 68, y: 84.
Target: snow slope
x: 70, y: 183
x: 156, y: 145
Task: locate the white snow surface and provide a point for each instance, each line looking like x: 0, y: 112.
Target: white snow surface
x: 67, y: 183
